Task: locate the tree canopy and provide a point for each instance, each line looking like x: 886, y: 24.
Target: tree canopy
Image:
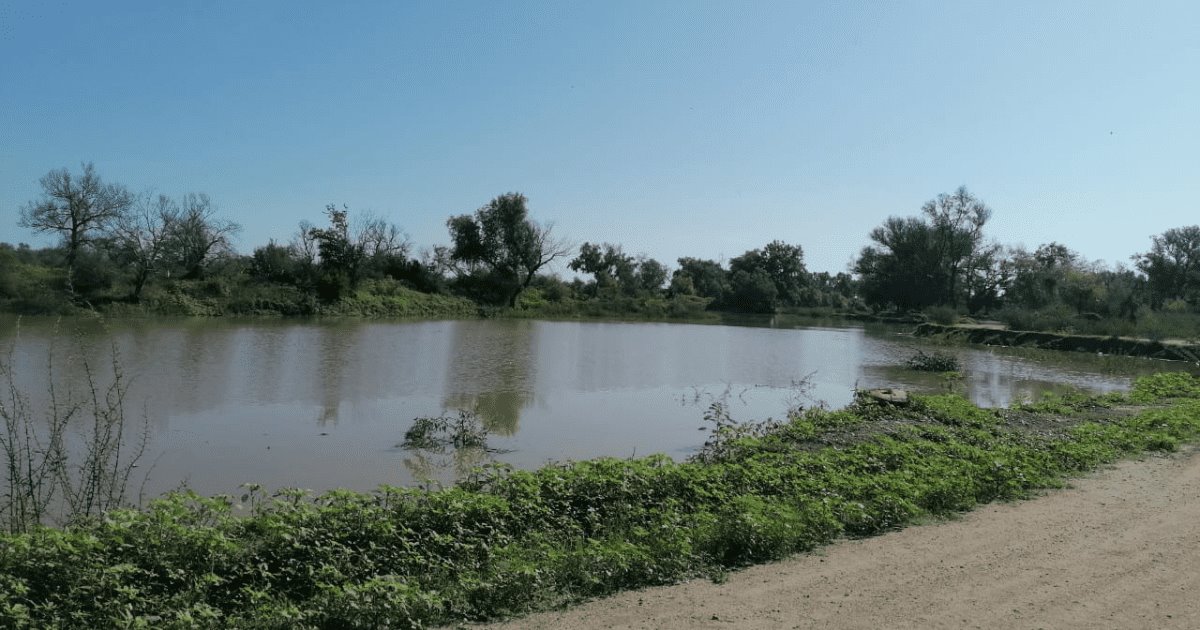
x: 77, y: 208
x: 502, y: 242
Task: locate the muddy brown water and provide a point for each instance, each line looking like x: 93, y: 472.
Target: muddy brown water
x: 324, y: 404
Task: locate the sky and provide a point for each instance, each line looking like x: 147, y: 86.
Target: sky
x: 672, y: 128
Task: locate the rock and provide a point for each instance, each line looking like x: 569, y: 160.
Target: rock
x: 893, y: 396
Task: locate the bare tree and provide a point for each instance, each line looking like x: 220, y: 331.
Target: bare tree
x: 304, y: 245
x: 380, y: 238
x: 199, y: 234
x: 140, y: 237
x: 75, y: 208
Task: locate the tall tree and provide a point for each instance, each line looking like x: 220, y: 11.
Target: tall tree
x: 140, y: 238
x: 901, y: 267
x: 501, y: 239
x: 1172, y: 266
x: 77, y: 209
x: 957, y: 220
x: 340, y: 253
x: 198, y: 235
x: 936, y: 258
x: 706, y: 278
x: 783, y: 264
x: 610, y: 267
x: 1036, y: 280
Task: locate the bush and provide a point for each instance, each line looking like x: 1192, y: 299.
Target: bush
x: 933, y: 362
x: 945, y: 315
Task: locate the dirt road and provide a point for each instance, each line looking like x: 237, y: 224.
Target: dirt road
x: 1119, y: 549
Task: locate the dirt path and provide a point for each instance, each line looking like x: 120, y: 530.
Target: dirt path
x: 1120, y: 549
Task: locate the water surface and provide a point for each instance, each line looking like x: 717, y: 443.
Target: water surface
x: 325, y: 404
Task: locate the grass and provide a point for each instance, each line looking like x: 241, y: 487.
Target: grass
x: 506, y: 542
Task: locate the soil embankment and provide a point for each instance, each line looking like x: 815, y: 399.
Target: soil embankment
x: 1117, y: 550
x: 1059, y: 341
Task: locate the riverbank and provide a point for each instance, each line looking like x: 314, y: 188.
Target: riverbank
x: 1095, y: 344
x: 1090, y: 556
x: 509, y: 542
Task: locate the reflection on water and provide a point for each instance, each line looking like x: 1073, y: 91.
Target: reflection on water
x: 492, y: 372
x: 323, y: 404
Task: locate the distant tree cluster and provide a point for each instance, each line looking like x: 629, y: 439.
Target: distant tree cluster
x: 105, y: 230
x: 940, y: 258
x: 117, y: 246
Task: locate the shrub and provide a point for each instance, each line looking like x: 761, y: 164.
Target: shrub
x: 933, y: 362
x: 945, y: 315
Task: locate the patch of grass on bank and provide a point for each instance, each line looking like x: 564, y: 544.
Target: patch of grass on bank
x: 533, y: 304
x: 507, y: 542
x: 1145, y: 323
x: 374, y: 299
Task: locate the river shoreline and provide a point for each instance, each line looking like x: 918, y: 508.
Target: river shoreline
x: 505, y: 543
x: 1095, y: 344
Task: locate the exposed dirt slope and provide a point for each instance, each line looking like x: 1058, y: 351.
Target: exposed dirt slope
x: 1120, y: 549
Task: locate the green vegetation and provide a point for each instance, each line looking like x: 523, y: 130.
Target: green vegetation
x: 933, y: 362
x: 124, y: 254
x: 505, y: 542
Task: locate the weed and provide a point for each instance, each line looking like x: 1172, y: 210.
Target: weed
x: 933, y: 362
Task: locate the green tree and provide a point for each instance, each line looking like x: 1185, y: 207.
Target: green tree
x: 936, y: 258
x: 341, y: 257
x: 707, y: 278
x: 613, y: 270
x: 609, y: 266
x: 752, y: 291
x: 957, y: 220
x: 274, y: 263
x: 651, y: 275
x: 76, y: 208
x: 783, y: 264
x: 1172, y: 266
x: 501, y: 240
x: 901, y: 268
x: 1036, y: 279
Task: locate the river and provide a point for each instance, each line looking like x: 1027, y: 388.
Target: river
x: 325, y: 404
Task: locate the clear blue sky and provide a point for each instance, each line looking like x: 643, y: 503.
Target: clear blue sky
x: 673, y: 128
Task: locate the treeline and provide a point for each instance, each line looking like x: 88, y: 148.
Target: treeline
x: 157, y: 254
x: 940, y: 263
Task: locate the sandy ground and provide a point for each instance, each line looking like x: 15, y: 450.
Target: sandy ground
x: 1119, y: 549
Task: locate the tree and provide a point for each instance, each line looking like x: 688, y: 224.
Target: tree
x: 274, y: 263
x: 900, y: 269
x: 1172, y: 266
x: 651, y: 275
x: 957, y: 220
x: 341, y: 256
x: 610, y: 267
x: 140, y: 238
x: 503, y: 241
x: 707, y: 278
x: 752, y: 291
x: 1036, y: 280
x: 936, y: 258
x: 782, y: 264
x: 77, y: 209
x: 198, y: 235
x: 614, y: 270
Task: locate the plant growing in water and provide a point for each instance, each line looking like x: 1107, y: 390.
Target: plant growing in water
x: 465, y: 431
x: 933, y: 362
